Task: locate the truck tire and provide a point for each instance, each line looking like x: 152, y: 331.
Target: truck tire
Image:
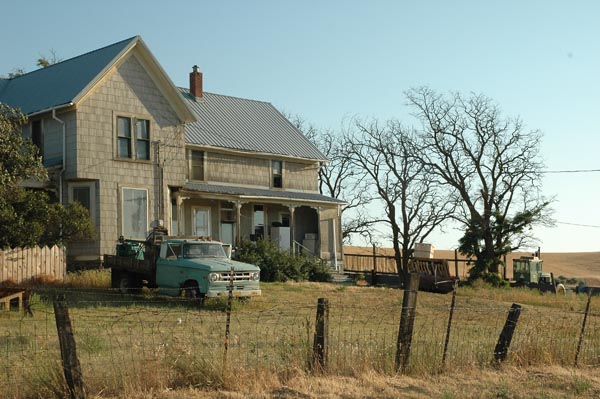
x: 190, y: 290
x: 129, y: 283
x: 115, y: 275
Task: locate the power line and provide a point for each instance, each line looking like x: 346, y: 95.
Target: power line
x: 580, y: 225
x: 572, y: 171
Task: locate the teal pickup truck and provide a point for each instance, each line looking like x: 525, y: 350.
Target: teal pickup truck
x: 193, y: 267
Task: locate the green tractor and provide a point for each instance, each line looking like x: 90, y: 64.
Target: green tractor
x: 527, y: 272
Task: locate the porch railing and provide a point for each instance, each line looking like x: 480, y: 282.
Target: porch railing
x: 297, y: 249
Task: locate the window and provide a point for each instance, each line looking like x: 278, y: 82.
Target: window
x: 277, y: 174
x: 142, y: 139
x: 128, y: 145
x: 124, y: 137
x: 196, y: 165
x: 201, y: 221
x: 84, y: 193
x: 258, y: 221
x: 135, y: 213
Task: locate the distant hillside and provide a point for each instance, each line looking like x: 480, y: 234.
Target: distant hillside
x: 568, y: 264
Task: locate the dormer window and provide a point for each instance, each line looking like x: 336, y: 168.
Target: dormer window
x: 277, y: 167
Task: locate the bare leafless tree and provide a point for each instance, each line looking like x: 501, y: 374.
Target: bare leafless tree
x: 339, y: 178
x: 493, y: 166
x: 413, y: 203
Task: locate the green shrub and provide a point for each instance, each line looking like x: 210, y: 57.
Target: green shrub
x: 277, y: 265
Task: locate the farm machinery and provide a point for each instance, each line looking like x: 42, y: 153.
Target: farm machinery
x: 527, y: 272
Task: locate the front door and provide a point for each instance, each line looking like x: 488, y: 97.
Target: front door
x: 201, y: 221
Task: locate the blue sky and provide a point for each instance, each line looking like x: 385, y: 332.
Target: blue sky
x: 331, y: 60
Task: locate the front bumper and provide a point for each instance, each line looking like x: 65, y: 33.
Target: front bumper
x: 236, y: 293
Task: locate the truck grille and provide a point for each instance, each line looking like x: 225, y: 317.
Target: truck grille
x: 237, y: 276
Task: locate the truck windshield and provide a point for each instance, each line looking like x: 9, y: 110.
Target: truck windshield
x: 203, y: 250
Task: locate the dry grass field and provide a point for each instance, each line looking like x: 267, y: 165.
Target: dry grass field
x: 580, y: 265
x: 152, y: 347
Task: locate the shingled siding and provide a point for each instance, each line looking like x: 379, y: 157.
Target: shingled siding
x: 237, y: 169
x: 128, y: 91
x: 240, y: 169
x: 300, y: 176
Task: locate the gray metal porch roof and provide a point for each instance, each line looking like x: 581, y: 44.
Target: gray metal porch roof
x: 248, y: 192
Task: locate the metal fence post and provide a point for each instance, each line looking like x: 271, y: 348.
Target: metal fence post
x: 68, y: 351
x: 319, y: 360
x: 587, y: 311
x: 506, y: 335
x: 407, y: 321
x: 452, y: 304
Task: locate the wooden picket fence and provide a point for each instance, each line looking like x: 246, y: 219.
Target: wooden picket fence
x: 21, y: 264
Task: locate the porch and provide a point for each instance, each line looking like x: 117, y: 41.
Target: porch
x: 307, y: 222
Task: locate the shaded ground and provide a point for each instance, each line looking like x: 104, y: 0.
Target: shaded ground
x: 550, y: 382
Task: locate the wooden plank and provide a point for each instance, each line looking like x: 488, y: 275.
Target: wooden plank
x: 2, y: 267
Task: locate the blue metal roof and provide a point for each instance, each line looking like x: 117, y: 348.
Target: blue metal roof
x: 58, y: 84
x: 246, y: 125
x: 243, y: 192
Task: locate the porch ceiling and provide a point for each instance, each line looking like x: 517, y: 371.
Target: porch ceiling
x: 258, y: 193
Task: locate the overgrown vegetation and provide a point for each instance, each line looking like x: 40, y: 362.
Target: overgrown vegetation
x: 29, y: 216
x: 277, y: 265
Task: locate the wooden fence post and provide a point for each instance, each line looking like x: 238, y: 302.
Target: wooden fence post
x: 228, y: 321
x: 407, y: 321
x: 587, y: 311
x: 68, y: 351
x: 452, y: 305
x: 319, y: 360
x: 374, y: 270
x: 456, y: 264
x: 506, y: 335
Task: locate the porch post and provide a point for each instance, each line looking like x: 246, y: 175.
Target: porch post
x: 341, y: 238
x: 238, y: 223
x: 318, y: 244
x: 292, y: 208
x: 180, y: 216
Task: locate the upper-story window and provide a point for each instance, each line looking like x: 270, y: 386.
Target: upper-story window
x: 142, y: 139
x: 128, y: 144
x: 277, y: 173
x: 196, y: 164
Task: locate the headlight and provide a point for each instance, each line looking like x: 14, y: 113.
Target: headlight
x: 256, y: 276
x: 214, y: 277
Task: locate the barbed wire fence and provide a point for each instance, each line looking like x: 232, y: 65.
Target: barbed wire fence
x: 127, y: 342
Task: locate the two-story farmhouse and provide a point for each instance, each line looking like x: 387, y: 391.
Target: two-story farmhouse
x: 138, y: 152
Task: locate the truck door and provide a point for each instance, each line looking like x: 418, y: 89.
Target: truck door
x: 167, y: 273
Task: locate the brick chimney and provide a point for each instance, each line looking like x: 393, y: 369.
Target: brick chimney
x: 196, y: 82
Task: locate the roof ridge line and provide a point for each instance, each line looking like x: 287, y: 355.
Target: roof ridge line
x: 73, y: 58
x: 227, y: 95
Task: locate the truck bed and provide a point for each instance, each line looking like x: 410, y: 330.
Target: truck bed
x: 145, y: 266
